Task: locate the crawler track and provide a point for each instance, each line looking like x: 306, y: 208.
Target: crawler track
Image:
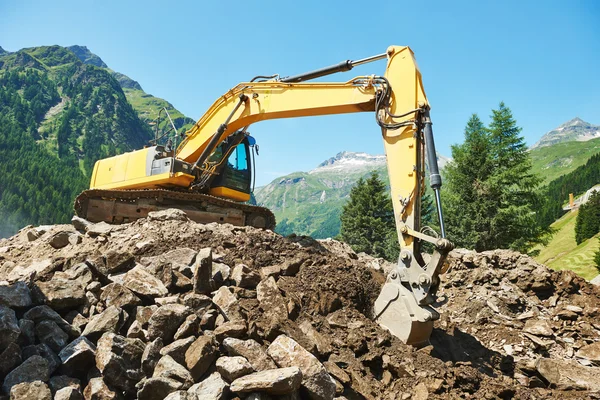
x: 118, y: 206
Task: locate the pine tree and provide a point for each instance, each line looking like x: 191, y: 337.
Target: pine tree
x: 368, y: 218
x: 588, y: 218
x: 491, y: 193
x: 468, y: 202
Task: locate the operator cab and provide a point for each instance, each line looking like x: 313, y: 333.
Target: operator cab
x: 234, y: 179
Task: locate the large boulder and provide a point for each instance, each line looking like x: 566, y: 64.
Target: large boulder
x: 273, y: 381
x: 119, y: 361
x: 315, y: 379
x: 35, y: 368
x: 200, y: 355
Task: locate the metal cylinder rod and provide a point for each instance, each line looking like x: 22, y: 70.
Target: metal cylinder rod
x: 340, y: 67
x: 215, y: 139
x: 369, y: 59
x: 435, y: 179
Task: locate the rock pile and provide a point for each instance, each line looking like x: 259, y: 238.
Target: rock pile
x: 168, y: 308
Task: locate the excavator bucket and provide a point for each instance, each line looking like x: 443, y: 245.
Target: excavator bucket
x: 395, y: 311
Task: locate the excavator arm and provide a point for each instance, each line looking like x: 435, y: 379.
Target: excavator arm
x: 401, y: 109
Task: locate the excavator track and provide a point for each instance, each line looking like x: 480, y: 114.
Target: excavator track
x: 120, y: 206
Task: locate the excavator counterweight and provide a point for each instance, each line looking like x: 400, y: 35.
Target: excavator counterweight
x: 209, y: 174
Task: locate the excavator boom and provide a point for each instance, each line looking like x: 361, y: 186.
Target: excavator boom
x: 194, y: 169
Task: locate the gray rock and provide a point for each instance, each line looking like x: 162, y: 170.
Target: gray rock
x: 235, y: 329
x: 165, y: 321
x: 16, y: 295
x: 197, y: 302
x: 35, y: 368
x: 227, y: 304
x: 273, y: 381
x: 590, y: 352
x: 143, y: 283
x: 211, y: 388
x: 41, y: 313
x: 203, y: 271
x: 78, y: 356
x: 61, y: 294
x: 245, y: 277
x: 151, y: 355
x: 79, y: 272
x: 27, y: 328
x: 136, y: 331
x: 68, y: 393
x: 97, y: 389
x: 157, y: 388
x: 538, y: 327
x: 220, y: 274
x: 181, y: 258
x: 181, y: 395
x: 110, y: 320
x: 81, y: 224
x: 189, y: 327
x: 568, y: 375
x: 322, y: 342
x: 49, y: 333
x: 119, y: 361
x: 36, y: 390
x: 169, y: 368
x: 115, y: 294
x: 232, y: 368
x: 199, y: 356
x: 250, y: 350
x: 316, y: 380
x: 9, y: 327
x: 49, y: 355
x: 209, y: 319
x: 181, y: 282
x: 178, y: 348
x: 10, y: 358
x: 271, y: 300
x: 143, y: 314
x: 170, y: 214
x: 99, y: 229
x: 62, y: 381
x: 60, y: 239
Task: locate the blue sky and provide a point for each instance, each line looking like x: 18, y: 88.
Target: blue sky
x: 541, y: 58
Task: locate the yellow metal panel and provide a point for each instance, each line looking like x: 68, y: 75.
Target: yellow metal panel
x: 270, y: 100
x: 166, y: 179
x: 401, y: 145
x: 136, y: 164
x: 228, y: 193
x: 118, y: 168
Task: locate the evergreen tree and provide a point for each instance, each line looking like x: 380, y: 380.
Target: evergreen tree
x: 513, y: 186
x: 468, y: 202
x: 588, y: 218
x: 367, y: 219
x: 491, y: 192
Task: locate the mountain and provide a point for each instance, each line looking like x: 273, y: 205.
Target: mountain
x: 553, y: 161
x: 311, y: 202
x: 60, y: 111
x: 146, y: 105
x: 573, y: 130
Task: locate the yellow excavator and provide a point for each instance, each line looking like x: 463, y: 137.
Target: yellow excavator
x: 209, y: 174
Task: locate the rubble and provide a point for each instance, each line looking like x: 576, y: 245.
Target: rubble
x: 168, y: 308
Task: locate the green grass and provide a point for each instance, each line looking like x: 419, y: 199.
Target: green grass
x: 148, y: 106
x: 563, y: 253
x: 559, y: 159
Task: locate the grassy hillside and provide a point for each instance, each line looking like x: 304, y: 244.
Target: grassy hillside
x: 562, y: 253
x: 560, y: 159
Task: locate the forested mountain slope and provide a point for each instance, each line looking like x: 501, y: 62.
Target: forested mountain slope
x: 58, y: 115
